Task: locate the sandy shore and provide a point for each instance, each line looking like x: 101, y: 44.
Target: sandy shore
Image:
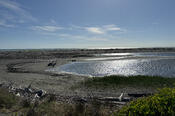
x: 38, y: 76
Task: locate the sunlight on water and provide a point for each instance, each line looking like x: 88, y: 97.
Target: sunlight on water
x: 113, y: 66
x: 115, y: 54
x: 163, y: 67
x: 104, y: 58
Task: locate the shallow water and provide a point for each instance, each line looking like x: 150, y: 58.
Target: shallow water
x: 163, y: 65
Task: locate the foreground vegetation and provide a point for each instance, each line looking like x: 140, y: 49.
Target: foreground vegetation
x: 130, y: 81
x: 14, y: 106
x: 160, y: 104
x: 7, y: 100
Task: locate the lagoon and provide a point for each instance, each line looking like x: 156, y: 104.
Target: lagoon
x: 152, y: 64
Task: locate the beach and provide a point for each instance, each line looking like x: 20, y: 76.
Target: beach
x: 32, y: 65
x: 32, y: 76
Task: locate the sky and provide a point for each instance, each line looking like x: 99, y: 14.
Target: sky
x: 28, y: 24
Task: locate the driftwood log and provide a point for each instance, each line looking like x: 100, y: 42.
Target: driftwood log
x: 139, y: 94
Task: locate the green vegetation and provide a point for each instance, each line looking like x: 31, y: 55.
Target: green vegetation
x: 130, y: 81
x: 160, y: 104
x: 7, y: 100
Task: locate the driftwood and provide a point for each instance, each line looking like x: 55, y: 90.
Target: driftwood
x: 138, y: 94
x: 35, y: 94
x: 116, y: 99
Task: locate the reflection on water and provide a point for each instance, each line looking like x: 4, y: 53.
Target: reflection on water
x: 162, y: 67
x: 104, y: 58
x: 115, y: 54
x: 144, y: 54
x: 159, y: 54
x: 156, y: 66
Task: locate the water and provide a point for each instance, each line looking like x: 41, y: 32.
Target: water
x: 163, y: 64
x: 146, y: 54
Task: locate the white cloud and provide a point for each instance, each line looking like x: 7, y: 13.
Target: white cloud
x: 102, y: 29
x: 99, y: 30
x: 10, y: 5
x: 95, y: 30
x: 13, y: 13
x: 46, y: 28
x: 79, y: 33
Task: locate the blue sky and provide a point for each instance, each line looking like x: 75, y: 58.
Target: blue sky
x: 86, y: 23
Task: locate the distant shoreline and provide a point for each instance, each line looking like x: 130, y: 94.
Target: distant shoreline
x: 95, y: 48
x: 69, y: 53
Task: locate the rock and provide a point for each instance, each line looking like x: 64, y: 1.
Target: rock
x: 41, y: 93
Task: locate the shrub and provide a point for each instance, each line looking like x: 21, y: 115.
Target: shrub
x: 26, y: 103
x: 160, y: 104
x: 7, y: 100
